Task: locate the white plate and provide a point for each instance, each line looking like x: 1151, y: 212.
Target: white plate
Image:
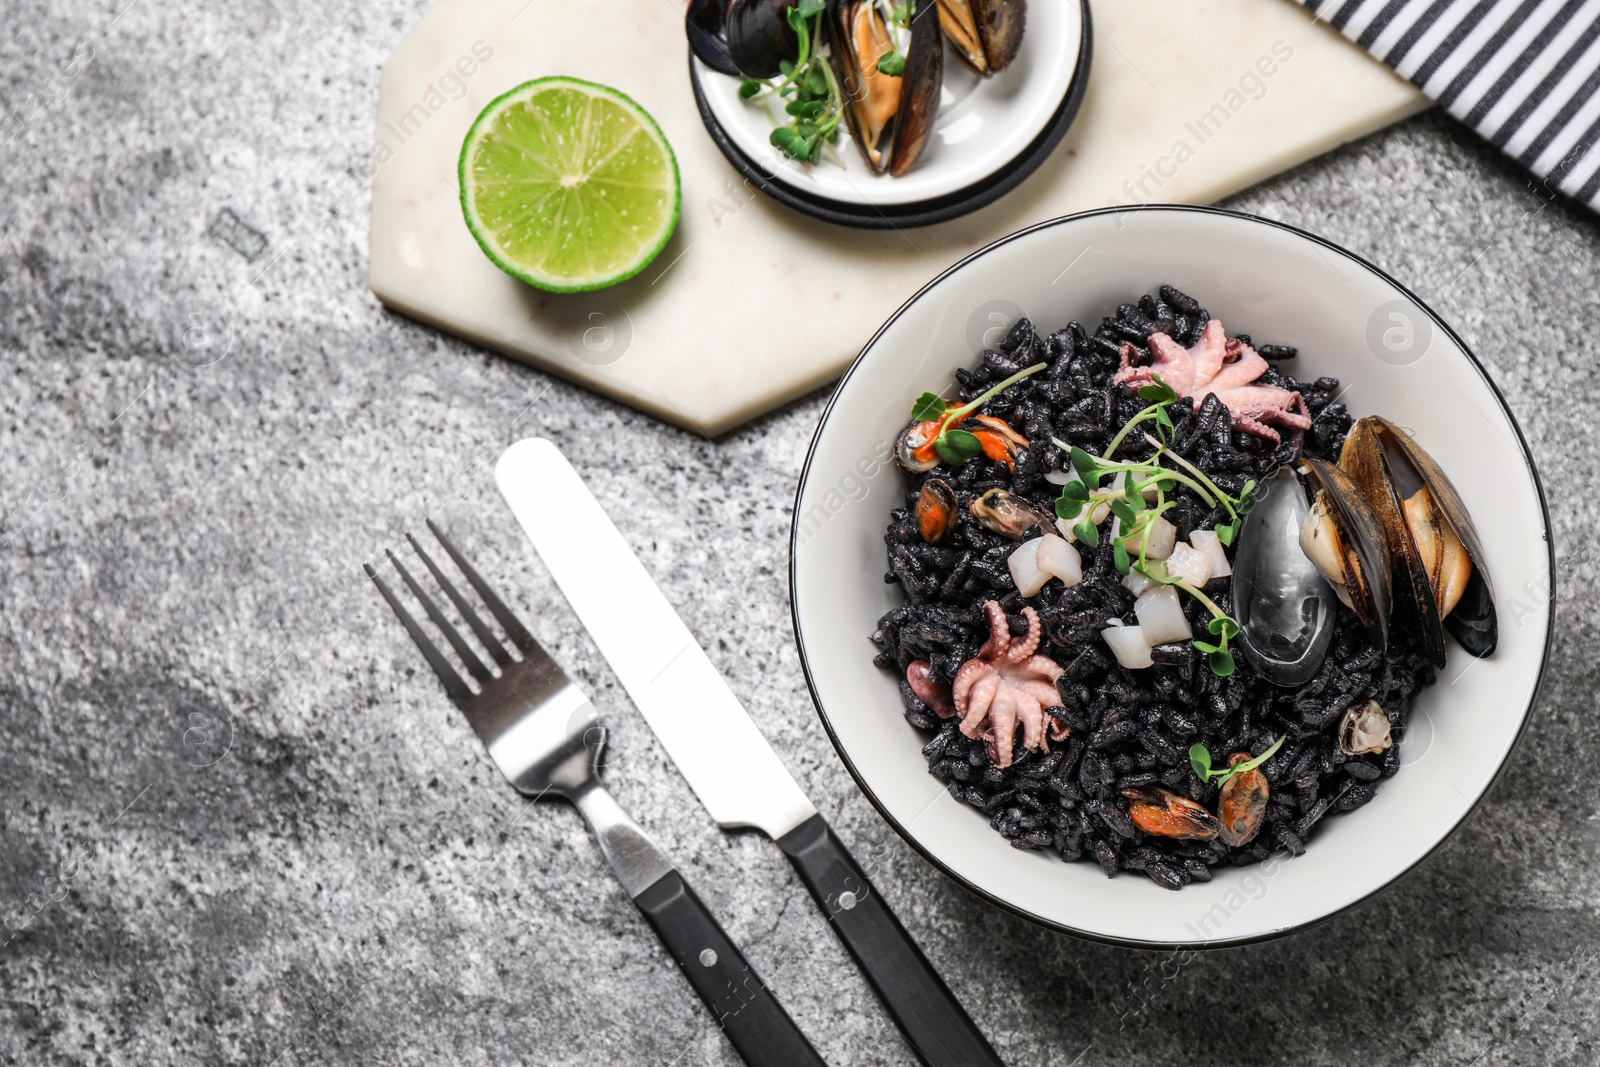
x: 983, y: 124
x: 1279, y: 284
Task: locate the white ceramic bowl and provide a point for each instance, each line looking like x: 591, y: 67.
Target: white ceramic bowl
x: 1278, y: 284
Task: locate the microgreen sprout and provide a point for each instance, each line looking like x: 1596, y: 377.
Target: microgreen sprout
x: 893, y: 62
x: 815, y: 100
x: 955, y: 446
x: 1200, y: 760
x: 1087, y: 499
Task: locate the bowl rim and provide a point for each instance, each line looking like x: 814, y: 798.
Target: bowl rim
x: 1006, y: 905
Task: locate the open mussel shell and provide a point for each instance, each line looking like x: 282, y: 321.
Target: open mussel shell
x: 1436, y: 556
x: 986, y: 34
x: 760, y: 37
x: 1356, y: 558
x: 1473, y: 621
x: 705, y: 23
x: 911, y: 448
x: 1286, y: 610
x: 891, y: 117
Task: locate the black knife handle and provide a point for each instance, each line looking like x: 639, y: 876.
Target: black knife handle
x: 756, y: 1024
x: 933, y: 1022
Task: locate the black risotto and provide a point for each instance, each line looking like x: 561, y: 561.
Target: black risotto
x: 1129, y: 729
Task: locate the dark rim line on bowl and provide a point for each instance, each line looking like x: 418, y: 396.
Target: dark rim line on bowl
x: 922, y: 212
x: 1527, y: 457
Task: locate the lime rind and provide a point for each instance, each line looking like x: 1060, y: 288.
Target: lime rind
x: 552, y: 219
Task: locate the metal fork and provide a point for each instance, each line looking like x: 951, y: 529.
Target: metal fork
x: 547, y: 738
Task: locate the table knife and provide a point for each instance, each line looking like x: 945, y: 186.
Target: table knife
x: 710, y: 736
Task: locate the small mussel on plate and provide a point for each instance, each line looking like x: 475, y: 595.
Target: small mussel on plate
x: 986, y: 34
x: 1438, y: 560
x: 891, y: 116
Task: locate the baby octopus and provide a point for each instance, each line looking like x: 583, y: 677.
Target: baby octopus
x: 1008, y: 684
x: 1227, y: 367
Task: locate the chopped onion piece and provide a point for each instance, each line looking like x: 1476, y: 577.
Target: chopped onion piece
x: 1208, y: 542
x: 1057, y: 558
x: 1190, y: 564
x: 1128, y: 644
x: 1035, y: 562
x: 1161, y: 616
x: 1024, y: 563
x: 1136, y: 583
x: 1163, y: 535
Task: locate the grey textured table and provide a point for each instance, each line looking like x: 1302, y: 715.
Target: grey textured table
x: 240, y: 824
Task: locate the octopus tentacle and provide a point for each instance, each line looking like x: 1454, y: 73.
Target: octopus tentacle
x: 1024, y: 649
x: 1207, y: 355
x: 933, y: 693
x: 980, y: 705
x: 961, y: 688
x: 999, y: 632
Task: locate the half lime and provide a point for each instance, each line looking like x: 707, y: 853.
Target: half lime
x: 569, y: 185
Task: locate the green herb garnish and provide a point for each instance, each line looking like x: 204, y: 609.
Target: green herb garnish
x: 1200, y: 760
x: 815, y: 99
x: 1136, y: 516
x: 893, y: 62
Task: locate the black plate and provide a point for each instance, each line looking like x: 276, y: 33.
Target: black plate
x: 921, y: 212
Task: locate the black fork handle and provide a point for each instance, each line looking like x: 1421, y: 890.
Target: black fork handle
x: 933, y: 1022
x: 753, y: 1020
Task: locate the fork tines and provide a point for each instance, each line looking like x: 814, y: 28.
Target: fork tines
x: 457, y: 686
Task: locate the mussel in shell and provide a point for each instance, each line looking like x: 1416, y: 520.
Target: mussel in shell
x: 760, y: 37
x: 1436, y: 557
x: 986, y: 34
x: 706, y: 24
x: 891, y: 116
x: 1286, y: 611
x: 1342, y: 536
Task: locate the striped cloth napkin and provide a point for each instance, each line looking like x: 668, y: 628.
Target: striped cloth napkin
x: 1523, y: 73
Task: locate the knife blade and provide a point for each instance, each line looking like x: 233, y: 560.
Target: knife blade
x: 716, y: 746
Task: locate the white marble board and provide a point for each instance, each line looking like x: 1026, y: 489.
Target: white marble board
x: 751, y: 304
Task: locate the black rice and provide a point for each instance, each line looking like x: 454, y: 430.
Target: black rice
x: 1129, y: 728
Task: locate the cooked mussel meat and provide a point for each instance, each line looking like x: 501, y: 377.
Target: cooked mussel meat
x: 1342, y: 536
x: 999, y: 441
x: 1007, y: 514
x: 937, y: 512
x: 986, y: 34
x: 1242, y: 802
x: 1163, y: 813
x: 891, y: 116
x: 1435, y: 553
x: 1364, y: 730
x: 759, y: 36
x: 1286, y: 611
